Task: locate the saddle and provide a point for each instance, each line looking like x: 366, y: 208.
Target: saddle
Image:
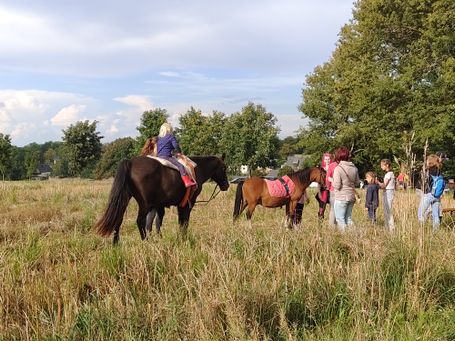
x: 189, y: 165
x: 281, y: 187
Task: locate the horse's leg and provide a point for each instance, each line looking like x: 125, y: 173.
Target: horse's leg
x: 288, y: 217
x: 249, y: 213
x: 141, y: 223
x: 243, y: 205
x: 116, y: 236
x: 159, y: 220
x: 184, y: 217
x: 291, y: 207
x: 149, y: 220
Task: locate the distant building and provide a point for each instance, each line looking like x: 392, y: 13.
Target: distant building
x: 243, y: 169
x: 295, y: 161
x: 273, y: 173
x: 42, y: 172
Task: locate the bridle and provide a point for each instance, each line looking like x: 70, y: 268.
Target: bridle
x: 321, y: 178
x: 213, y: 196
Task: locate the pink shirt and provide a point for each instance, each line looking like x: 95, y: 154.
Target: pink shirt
x: 329, y: 176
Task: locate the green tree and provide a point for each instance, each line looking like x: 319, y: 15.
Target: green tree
x: 289, y: 146
x: 112, y: 154
x: 82, y: 146
x: 391, y: 74
x: 17, y: 170
x: 200, y: 134
x: 285, y: 170
x: 250, y: 138
x: 5, y: 154
x: 61, y: 167
x: 151, y: 122
x: 32, y: 158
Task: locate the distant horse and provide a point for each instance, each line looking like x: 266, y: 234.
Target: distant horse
x: 254, y: 191
x: 155, y: 186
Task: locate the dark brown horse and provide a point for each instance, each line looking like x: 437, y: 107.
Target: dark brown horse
x: 155, y: 187
x: 254, y: 191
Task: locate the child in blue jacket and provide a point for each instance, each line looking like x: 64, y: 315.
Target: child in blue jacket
x: 166, y: 145
x: 432, y: 196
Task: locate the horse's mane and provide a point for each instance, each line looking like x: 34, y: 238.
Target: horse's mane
x: 149, y: 147
x: 302, y: 176
x: 202, y: 158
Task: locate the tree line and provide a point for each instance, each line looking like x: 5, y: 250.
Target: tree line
x: 248, y: 137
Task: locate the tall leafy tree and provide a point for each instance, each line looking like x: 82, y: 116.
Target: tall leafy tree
x: 32, y: 158
x: 83, y: 147
x: 288, y: 146
x: 391, y: 75
x: 251, y: 138
x: 17, y: 170
x: 5, y: 154
x: 151, y: 122
x: 200, y: 134
x: 112, y: 154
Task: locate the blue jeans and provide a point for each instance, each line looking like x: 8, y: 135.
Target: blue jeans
x: 387, y: 201
x: 343, y: 213
x: 174, y: 161
x: 427, y: 201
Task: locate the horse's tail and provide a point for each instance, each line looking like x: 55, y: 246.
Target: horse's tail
x: 118, y: 201
x: 238, y: 200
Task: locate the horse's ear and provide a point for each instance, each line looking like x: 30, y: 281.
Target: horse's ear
x: 223, y: 156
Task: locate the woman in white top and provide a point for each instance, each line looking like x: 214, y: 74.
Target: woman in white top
x: 389, y: 191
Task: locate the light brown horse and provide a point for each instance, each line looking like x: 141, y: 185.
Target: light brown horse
x: 254, y: 191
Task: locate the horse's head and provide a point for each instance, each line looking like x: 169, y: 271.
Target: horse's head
x: 219, y: 174
x: 318, y: 174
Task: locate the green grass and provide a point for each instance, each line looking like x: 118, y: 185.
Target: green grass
x: 59, y: 280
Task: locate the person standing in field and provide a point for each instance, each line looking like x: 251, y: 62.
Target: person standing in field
x: 323, y: 194
x: 345, y: 178
x: 329, y: 186
x: 433, y: 191
x: 388, y: 187
x: 371, y: 196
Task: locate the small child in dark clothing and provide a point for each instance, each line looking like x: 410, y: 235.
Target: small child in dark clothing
x: 372, y: 195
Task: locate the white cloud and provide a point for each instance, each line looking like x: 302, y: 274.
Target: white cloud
x: 140, y: 102
x: 256, y: 35
x: 170, y: 74
x: 68, y: 115
x: 23, y: 130
x: 25, y: 114
x: 112, y: 130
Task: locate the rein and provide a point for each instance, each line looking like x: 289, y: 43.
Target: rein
x: 213, y: 196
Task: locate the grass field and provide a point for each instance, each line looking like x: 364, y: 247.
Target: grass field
x: 59, y: 280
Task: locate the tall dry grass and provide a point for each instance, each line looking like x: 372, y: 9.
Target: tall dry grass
x: 59, y: 280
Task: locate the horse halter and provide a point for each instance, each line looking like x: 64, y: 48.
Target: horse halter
x: 322, y: 178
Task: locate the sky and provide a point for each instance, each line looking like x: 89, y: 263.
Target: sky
x: 66, y: 61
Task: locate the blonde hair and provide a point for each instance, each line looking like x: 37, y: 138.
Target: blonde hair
x: 371, y: 175
x: 434, y: 161
x: 165, y: 129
